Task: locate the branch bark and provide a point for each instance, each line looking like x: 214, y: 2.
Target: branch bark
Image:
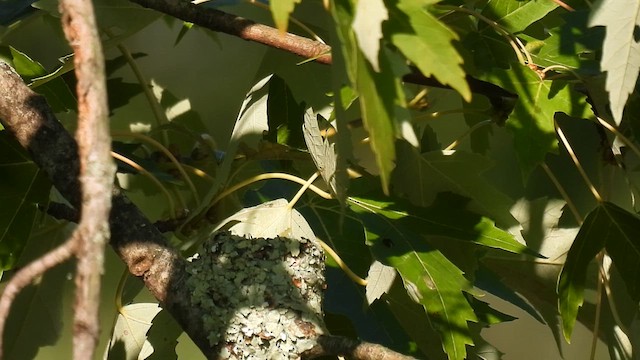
x: 97, y: 170
x: 141, y: 246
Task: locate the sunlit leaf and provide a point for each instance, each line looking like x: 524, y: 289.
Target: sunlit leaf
x: 129, y: 336
x: 322, y: 152
x: 367, y: 26
x: 429, y: 278
x: 281, y: 10
x: 427, y: 42
x: 621, y: 50
x: 532, y: 120
x: 515, y: 16
x: 606, y: 227
x: 56, y: 91
x: 269, y: 220
x: 379, y: 280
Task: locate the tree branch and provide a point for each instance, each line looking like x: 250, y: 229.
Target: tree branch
x: 139, y: 244
x: 97, y: 170
x: 246, y: 29
x: 353, y: 349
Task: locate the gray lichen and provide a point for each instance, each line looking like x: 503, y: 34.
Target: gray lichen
x: 262, y: 297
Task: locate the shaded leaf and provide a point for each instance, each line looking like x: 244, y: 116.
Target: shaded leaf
x: 446, y: 217
x: 427, y: 42
x: 621, y: 49
x: 606, y: 227
x: 284, y: 115
x: 515, y: 16
x: 532, y: 120
x: 379, y: 280
x: 22, y: 188
x: 422, y: 177
x: 367, y: 27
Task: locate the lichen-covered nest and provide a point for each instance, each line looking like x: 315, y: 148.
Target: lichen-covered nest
x: 262, y: 297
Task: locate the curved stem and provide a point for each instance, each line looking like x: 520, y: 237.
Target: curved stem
x: 573, y: 156
x: 304, y: 188
x: 467, y: 133
x: 168, y: 154
x: 353, y: 276
x: 143, y: 171
x: 266, y: 176
x: 563, y: 193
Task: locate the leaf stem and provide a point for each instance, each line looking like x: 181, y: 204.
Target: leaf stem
x: 467, y: 133
x: 563, y: 193
x: 143, y: 171
x: 353, y: 276
x: 596, y: 323
x: 623, y: 138
x: 158, y: 114
x: 168, y: 154
x: 573, y: 156
x: 266, y: 176
x: 302, y: 190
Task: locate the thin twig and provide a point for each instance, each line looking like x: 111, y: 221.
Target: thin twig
x: 353, y: 349
x: 28, y: 274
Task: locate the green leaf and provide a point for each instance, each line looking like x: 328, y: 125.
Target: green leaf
x: 427, y: 42
x: 606, y: 227
x: 532, y: 120
x: 23, y: 186
x: 56, y: 91
x: 121, y: 16
x: 515, y: 16
x: 422, y: 177
x: 621, y: 50
x: 429, y: 278
x: 446, y: 217
x: 129, y: 336
x: 367, y: 27
x: 281, y: 9
x: 284, y: 115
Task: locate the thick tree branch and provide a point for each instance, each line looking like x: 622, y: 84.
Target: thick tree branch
x: 97, y: 170
x: 144, y: 250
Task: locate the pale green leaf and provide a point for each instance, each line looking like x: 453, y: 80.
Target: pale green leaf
x: 532, y: 120
x: 129, y: 336
x: 269, y: 220
x: 367, y: 26
x: 379, y: 280
x: 515, y: 16
x: 606, y: 227
x: 621, y: 50
x: 281, y: 10
x: 322, y: 153
x: 427, y: 42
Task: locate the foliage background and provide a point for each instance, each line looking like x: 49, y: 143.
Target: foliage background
x: 191, y: 71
